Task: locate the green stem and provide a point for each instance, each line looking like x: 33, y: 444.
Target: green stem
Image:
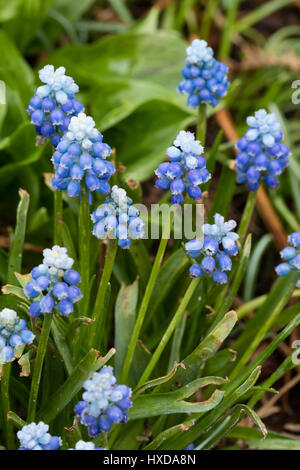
x: 145, y: 302
x: 84, y: 223
x: 38, y: 365
x: 9, y: 435
x: 201, y: 126
x: 232, y: 11
x: 15, y: 420
x: 58, y: 213
x: 207, y: 16
x: 247, y: 214
x: 98, y: 312
x: 169, y: 331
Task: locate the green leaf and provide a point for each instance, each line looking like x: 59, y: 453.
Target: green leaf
x: 22, y: 150
x: 23, y: 279
x: 158, y: 404
x: 225, y: 299
x: 153, y: 127
x: 168, y: 433
x: 29, y: 18
x: 206, y: 421
x: 16, y: 251
x: 73, y: 10
x: 24, y: 362
x: 125, y: 313
x: 208, y: 347
x: 262, y: 322
x: 158, y: 381
x: 67, y: 391
x: 224, y: 426
x: 8, y: 289
x: 169, y: 273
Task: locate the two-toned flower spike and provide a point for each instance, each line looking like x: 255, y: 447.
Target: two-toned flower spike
x: 205, y: 78
x: 54, y: 103
x: 291, y: 257
x: 186, y: 170
x: 35, y: 436
x: 104, y: 402
x: 213, y: 251
x: 14, y: 335
x: 261, y: 153
x: 81, y: 159
x: 118, y: 218
x: 82, y: 445
x: 54, y: 284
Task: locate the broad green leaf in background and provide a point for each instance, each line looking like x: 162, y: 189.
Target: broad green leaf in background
x: 141, y: 139
x: 29, y: 17
x: 19, y: 150
x: 74, y: 9
x: 125, y: 313
x: 18, y: 79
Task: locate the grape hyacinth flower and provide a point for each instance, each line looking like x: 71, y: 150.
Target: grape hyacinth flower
x: 36, y: 437
x: 205, y: 78
x: 260, y: 152
x: 214, y: 250
x: 291, y: 257
x: 14, y: 334
x: 118, y: 218
x: 53, y: 103
x: 104, y: 402
x: 190, y: 447
x: 186, y: 170
x: 54, y: 284
x: 81, y: 445
x: 80, y: 158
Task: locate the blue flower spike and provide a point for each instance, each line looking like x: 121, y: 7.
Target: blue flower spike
x: 103, y: 403
x: 81, y: 159
x: 204, y: 78
x: 53, y: 104
x: 82, y: 445
x: 14, y: 335
x: 35, y: 436
x: 53, y: 284
x: 118, y: 218
x: 185, y: 171
x: 213, y: 252
x: 291, y: 257
x: 260, y: 152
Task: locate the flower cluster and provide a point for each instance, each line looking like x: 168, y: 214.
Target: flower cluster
x: 36, y: 437
x: 81, y: 445
x: 53, y: 103
x: 81, y: 157
x: 215, y: 249
x: 291, y: 257
x: 186, y: 169
x: 261, y: 152
x: 205, y: 78
x: 117, y: 217
x: 104, y: 402
x: 54, y: 283
x: 14, y: 334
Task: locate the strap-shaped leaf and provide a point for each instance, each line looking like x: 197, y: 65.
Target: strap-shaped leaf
x: 173, y: 402
x: 125, y: 313
x: 204, y: 350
